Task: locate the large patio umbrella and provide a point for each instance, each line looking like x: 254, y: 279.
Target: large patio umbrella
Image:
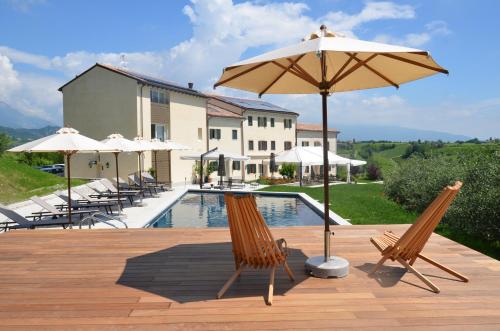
x: 144, y: 145
x: 120, y: 144
x: 324, y: 63
x: 66, y: 141
x: 301, y: 156
x: 168, y: 146
x: 335, y: 159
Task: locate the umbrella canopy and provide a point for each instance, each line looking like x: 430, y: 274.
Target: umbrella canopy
x: 118, y: 142
x: 144, y: 144
x: 299, y: 155
x: 214, y: 155
x: 351, y: 64
x: 66, y: 141
x: 325, y: 62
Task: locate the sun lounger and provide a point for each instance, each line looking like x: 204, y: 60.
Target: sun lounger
x: 51, y: 210
x: 19, y: 222
x: 113, y: 192
x: 407, y: 248
x: 84, y: 204
x: 145, y: 186
x: 96, y: 197
x: 253, y: 243
x: 151, y: 180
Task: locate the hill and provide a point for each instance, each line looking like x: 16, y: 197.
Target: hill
x: 393, y: 133
x: 19, y: 181
x: 14, y: 118
x: 22, y: 135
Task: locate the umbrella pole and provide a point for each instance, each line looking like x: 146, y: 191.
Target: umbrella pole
x: 201, y: 172
x: 300, y: 173
x: 156, y: 170
x: 140, y: 174
x: 68, y: 174
x: 326, y: 188
x: 117, y: 183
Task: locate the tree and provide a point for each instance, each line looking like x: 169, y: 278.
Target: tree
x: 4, y: 142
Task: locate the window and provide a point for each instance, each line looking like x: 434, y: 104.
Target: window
x: 251, y: 169
x: 288, y: 123
x: 235, y: 134
x: 262, y: 121
x: 273, y: 145
x: 214, y: 133
x: 317, y: 143
x: 262, y: 145
x: 236, y: 165
x: 288, y: 145
x: 158, y: 96
x: 200, y: 134
x: 158, y: 131
x: 250, y: 121
x: 305, y: 143
x: 250, y: 145
x: 306, y: 170
x: 272, y: 122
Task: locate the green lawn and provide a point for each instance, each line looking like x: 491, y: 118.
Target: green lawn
x: 20, y: 182
x: 362, y: 203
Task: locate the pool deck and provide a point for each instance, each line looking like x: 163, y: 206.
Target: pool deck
x: 167, y: 279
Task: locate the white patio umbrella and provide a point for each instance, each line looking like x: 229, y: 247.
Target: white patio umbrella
x: 325, y: 63
x: 168, y: 146
x: 120, y: 144
x: 353, y: 163
x: 144, y: 145
x: 66, y: 141
x: 212, y: 154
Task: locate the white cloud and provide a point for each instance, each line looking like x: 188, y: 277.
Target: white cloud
x: 9, y: 80
x: 25, y: 5
x: 433, y: 29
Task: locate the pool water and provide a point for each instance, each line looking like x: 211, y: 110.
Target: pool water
x: 199, y: 209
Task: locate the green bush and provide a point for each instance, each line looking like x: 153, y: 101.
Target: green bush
x: 4, y: 142
x: 475, y: 211
x: 287, y: 170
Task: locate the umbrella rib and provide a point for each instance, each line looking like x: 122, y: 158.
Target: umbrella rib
x: 395, y: 57
x: 292, y: 62
x: 240, y: 73
x: 351, y: 57
x: 378, y: 73
x: 353, y: 68
x: 304, y: 72
x: 305, y: 78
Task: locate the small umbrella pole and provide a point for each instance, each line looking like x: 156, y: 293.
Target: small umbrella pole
x: 68, y: 174
x: 117, y: 182
x: 201, y: 172
x: 326, y: 189
x: 156, y: 169
x: 140, y: 172
x: 300, y: 173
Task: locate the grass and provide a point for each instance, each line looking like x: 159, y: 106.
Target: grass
x: 362, y: 204
x: 19, y: 181
x: 366, y: 204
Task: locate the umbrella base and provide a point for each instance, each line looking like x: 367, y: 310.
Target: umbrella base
x: 336, y: 267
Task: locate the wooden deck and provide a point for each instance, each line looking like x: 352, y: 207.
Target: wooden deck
x: 167, y: 279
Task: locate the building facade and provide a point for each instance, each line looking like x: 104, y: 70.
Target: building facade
x: 105, y: 100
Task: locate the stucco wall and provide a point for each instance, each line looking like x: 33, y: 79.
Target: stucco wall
x: 187, y: 114
x: 97, y: 104
x: 226, y: 143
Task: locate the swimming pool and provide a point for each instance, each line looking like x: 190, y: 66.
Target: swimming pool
x: 207, y: 209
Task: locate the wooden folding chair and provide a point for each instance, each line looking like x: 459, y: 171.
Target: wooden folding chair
x: 253, y: 243
x: 407, y: 249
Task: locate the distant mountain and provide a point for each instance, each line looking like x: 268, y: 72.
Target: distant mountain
x: 21, y: 135
x: 393, y: 133
x: 13, y: 118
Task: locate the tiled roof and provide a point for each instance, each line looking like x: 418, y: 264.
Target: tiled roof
x: 215, y: 111
x: 252, y: 104
x: 149, y: 80
x: 313, y: 127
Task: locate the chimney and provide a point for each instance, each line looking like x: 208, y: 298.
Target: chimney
x: 190, y: 85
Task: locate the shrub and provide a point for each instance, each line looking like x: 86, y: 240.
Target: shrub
x: 417, y: 181
x: 373, y: 172
x: 273, y: 181
x: 4, y: 142
x: 287, y: 170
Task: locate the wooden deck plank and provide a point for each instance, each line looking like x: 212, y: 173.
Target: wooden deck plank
x: 167, y: 279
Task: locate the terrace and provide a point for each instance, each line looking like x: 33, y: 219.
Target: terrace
x: 152, y: 279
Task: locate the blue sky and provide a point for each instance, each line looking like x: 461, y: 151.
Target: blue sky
x: 44, y: 43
